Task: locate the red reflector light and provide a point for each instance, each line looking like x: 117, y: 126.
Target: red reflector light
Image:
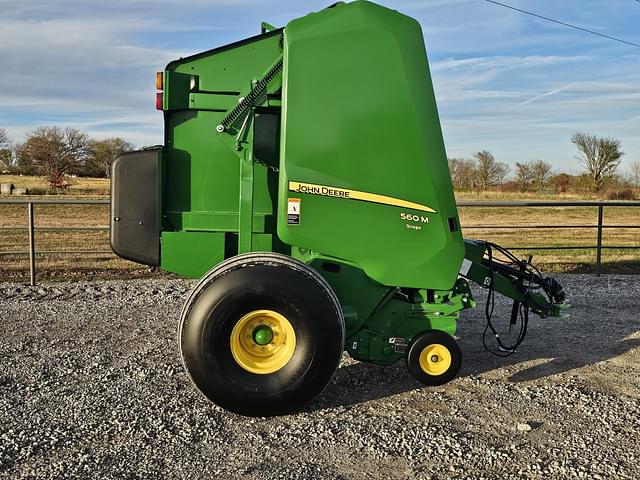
x: 159, y: 101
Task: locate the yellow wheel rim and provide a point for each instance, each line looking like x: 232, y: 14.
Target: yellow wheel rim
x: 435, y: 359
x: 263, y: 341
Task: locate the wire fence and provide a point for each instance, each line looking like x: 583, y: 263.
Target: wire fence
x: 599, y: 226
x: 598, y: 245
x: 32, y: 252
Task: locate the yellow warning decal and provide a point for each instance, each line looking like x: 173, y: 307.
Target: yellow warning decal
x: 328, y: 191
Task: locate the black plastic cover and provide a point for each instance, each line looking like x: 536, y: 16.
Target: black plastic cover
x: 135, y: 206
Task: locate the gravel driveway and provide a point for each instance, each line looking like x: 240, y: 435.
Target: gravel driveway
x: 91, y: 387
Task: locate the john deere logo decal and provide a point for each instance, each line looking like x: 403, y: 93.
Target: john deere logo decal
x: 328, y: 191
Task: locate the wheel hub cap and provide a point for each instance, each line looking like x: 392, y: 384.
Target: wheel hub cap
x: 435, y: 359
x: 262, y: 335
x: 262, y: 341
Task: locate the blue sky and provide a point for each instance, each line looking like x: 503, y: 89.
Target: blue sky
x: 504, y: 81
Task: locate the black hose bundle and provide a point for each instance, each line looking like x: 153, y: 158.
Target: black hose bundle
x: 523, y: 271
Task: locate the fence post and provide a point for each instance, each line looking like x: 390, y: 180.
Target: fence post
x: 599, y: 244
x: 32, y: 248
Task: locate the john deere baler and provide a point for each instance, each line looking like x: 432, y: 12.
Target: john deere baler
x: 303, y: 179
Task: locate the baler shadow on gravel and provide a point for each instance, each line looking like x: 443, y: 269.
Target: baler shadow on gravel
x: 304, y: 180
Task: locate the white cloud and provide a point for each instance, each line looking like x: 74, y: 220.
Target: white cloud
x: 543, y: 95
x: 504, y: 62
x: 503, y: 81
x: 91, y: 69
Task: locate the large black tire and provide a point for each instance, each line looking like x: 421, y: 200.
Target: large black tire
x: 257, y: 282
x: 433, y: 357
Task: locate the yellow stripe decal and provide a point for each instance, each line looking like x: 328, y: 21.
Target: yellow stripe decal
x: 327, y: 191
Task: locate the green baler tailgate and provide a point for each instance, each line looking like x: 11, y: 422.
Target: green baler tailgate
x: 362, y: 154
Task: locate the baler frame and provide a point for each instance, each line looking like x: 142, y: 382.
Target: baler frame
x: 305, y: 246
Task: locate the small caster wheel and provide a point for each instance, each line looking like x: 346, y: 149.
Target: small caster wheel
x: 433, y: 357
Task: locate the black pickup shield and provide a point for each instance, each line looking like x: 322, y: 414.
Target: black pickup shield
x: 135, y: 206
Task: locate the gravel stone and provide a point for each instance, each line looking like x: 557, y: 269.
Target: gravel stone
x: 524, y: 427
x: 91, y: 386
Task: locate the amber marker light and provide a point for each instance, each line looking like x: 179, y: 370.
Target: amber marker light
x: 160, y: 81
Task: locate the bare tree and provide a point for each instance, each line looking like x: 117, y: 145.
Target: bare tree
x: 455, y: 165
x: 5, y: 150
x: 502, y: 172
x: 524, y: 175
x: 488, y: 170
x: 542, y: 172
x: 4, y: 138
x: 462, y: 173
x: 23, y: 164
x: 600, y: 156
x: 562, y: 181
x: 634, y: 170
x: 54, y: 152
x: 102, y: 153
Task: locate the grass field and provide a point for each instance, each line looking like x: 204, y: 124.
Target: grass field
x: 80, y: 186
x: 102, y: 265
x: 106, y: 265
x: 575, y: 260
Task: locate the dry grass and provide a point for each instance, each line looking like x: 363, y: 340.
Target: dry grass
x: 532, y: 196
x: 102, y: 265
x: 80, y: 186
x: 573, y: 260
x: 527, y: 196
x: 107, y: 265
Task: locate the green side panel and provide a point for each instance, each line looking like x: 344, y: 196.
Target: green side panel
x: 191, y: 253
x: 202, y: 173
x: 262, y: 242
x: 387, y: 332
x: 396, y: 319
x: 359, y: 113
x: 358, y: 294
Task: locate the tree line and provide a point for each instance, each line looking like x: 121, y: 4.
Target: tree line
x: 57, y: 153
x: 600, y: 158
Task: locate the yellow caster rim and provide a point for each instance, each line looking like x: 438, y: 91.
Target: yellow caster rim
x: 263, y: 341
x: 435, y: 359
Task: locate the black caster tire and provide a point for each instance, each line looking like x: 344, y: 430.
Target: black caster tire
x: 433, y: 357
x: 261, y: 334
